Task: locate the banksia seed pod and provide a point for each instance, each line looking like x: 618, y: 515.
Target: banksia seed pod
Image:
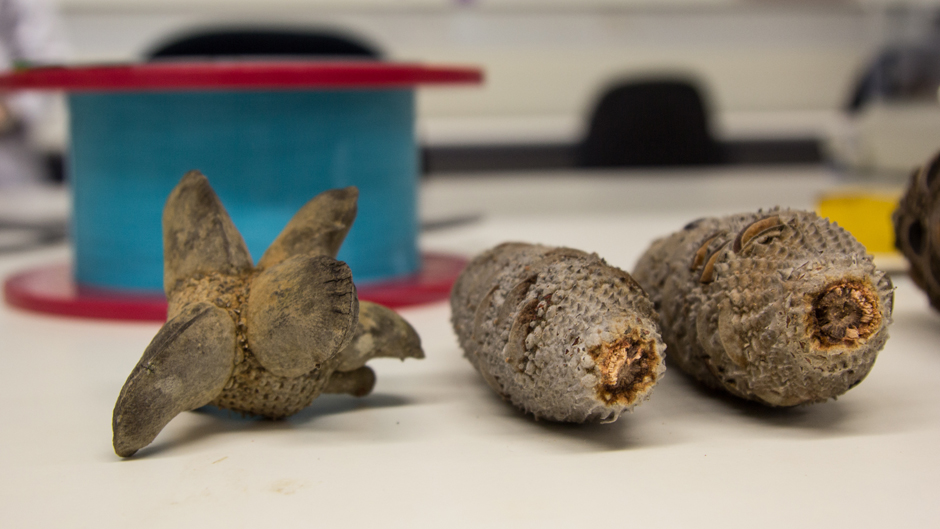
x: 780, y: 307
x: 558, y: 332
x: 917, y: 228
x: 263, y: 340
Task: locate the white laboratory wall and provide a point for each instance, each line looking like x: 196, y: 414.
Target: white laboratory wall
x: 546, y: 61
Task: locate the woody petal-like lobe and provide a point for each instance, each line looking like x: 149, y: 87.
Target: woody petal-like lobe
x: 185, y: 366
x: 358, y: 382
x: 301, y: 313
x: 319, y: 228
x: 198, y: 235
x: 381, y: 332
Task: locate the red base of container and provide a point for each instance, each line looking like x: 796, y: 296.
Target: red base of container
x: 52, y: 290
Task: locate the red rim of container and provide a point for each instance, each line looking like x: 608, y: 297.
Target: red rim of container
x: 233, y: 74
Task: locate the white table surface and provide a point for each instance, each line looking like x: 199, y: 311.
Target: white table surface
x: 433, y: 446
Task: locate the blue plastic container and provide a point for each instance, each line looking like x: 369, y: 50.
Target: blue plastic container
x: 265, y: 152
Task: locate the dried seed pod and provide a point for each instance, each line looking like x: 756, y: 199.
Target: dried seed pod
x: 780, y: 307
x: 917, y: 228
x: 263, y: 340
x: 558, y: 332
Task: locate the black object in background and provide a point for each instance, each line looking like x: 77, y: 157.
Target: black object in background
x: 264, y: 42
x: 650, y: 123
x: 899, y: 74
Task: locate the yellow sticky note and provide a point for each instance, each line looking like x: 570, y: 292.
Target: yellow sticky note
x: 865, y: 214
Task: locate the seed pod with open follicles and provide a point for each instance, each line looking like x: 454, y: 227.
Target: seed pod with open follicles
x: 917, y: 228
x: 558, y: 332
x: 262, y: 340
x: 780, y: 307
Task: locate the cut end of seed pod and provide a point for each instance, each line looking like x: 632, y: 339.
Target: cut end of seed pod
x: 846, y: 313
x: 627, y: 368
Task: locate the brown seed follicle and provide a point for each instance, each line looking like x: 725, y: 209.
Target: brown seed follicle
x: 702, y: 253
x: 846, y: 313
x: 627, y: 368
x: 708, y: 271
x: 756, y: 228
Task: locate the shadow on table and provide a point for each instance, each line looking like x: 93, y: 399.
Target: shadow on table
x: 828, y: 419
x: 629, y: 432
x: 222, y: 421
x: 327, y: 405
x: 596, y: 437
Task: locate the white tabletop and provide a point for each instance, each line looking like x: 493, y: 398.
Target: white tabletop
x: 433, y: 446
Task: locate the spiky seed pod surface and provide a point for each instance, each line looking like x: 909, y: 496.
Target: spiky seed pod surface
x: 917, y: 228
x: 558, y: 332
x: 780, y: 307
x: 263, y: 340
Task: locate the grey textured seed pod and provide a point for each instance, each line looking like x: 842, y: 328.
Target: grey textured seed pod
x: 263, y: 340
x: 558, y: 332
x: 917, y: 228
x: 780, y: 307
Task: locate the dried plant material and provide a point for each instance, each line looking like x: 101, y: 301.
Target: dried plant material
x: 917, y: 228
x: 779, y: 307
x: 263, y: 340
x: 558, y: 332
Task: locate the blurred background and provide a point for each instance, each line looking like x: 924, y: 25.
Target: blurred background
x: 850, y: 86
x: 790, y: 81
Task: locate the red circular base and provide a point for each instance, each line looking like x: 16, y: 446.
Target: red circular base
x: 52, y: 290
